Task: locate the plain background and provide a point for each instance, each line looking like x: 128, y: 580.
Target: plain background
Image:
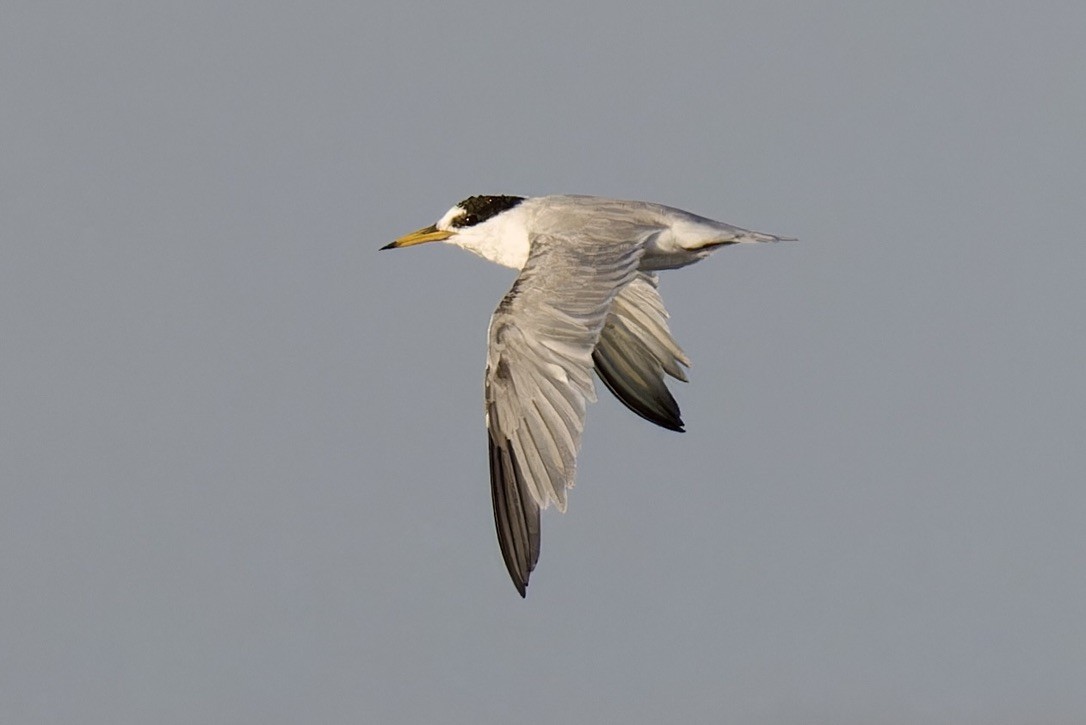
x: 242, y: 455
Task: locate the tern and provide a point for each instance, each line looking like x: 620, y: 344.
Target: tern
x: 586, y: 299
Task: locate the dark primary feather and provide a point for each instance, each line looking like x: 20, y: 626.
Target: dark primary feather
x: 636, y: 349
x: 516, y: 517
x: 646, y: 396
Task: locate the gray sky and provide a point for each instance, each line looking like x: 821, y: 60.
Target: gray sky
x: 242, y: 452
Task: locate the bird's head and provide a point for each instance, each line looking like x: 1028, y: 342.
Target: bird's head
x: 476, y: 224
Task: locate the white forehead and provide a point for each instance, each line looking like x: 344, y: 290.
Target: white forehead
x: 445, y: 222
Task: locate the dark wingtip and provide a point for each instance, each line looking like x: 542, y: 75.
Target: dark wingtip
x: 661, y: 410
x: 676, y: 424
x: 516, y: 517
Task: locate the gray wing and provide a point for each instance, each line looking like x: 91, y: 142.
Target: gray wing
x: 636, y: 349
x: 539, y: 380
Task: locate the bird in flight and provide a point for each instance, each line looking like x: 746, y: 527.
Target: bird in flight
x: 586, y: 300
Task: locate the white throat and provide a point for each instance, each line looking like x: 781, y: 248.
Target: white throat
x: 502, y: 239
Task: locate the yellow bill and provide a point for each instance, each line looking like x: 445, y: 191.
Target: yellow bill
x: 421, y: 236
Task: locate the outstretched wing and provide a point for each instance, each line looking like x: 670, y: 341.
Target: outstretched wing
x: 636, y: 349
x: 539, y: 379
